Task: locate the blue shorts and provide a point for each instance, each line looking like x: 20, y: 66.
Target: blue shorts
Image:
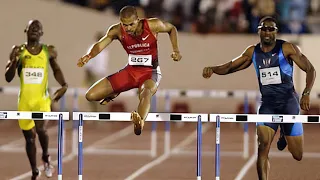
x: 290, y: 107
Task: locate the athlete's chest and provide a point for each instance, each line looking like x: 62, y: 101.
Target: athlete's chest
x: 268, y: 66
x: 34, y: 61
x: 144, y: 41
x: 267, y: 60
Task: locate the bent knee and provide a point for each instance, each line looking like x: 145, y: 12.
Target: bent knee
x: 90, y: 96
x: 298, y: 157
x: 296, y: 154
x: 41, y: 130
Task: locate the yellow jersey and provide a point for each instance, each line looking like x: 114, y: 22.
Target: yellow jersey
x: 33, y: 73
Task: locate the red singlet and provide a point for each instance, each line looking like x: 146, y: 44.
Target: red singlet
x: 142, y: 60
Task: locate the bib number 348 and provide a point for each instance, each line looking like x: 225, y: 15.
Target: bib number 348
x: 33, y: 75
x: 140, y: 60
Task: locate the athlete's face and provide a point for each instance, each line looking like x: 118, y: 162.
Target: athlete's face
x: 130, y: 24
x: 268, y: 32
x: 34, y: 31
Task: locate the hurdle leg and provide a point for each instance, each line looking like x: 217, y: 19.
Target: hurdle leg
x: 154, y: 139
x: 167, y: 126
x: 153, y: 151
x: 217, y: 152
x: 75, y: 124
x: 80, y: 139
x: 60, y: 146
x: 245, y: 128
x: 199, y: 144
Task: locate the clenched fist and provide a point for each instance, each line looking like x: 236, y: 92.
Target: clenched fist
x: 207, y: 72
x: 176, y: 56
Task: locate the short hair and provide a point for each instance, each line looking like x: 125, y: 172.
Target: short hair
x: 128, y: 11
x: 267, y: 18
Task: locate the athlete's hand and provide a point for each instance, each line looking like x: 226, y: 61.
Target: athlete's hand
x: 17, y: 52
x: 176, y: 56
x: 59, y: 93
x: 207, y: 72
x: 305, y: 102
x: 82, y: 61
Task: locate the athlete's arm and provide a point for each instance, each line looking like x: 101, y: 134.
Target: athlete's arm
x: 294, y: 53
x: 241, y: 62
x: 12, y: 64
x: 111, y: 35
x: 58, y: 75
x: 160, y: 26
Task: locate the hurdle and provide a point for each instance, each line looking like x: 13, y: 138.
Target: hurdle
x: 168, y: 94
x: 253, y: 118
x: 156, y: 117
x: 60, y: 116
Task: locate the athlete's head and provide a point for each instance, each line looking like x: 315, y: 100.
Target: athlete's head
x: 34, y: 30
x: 267, y: 30
x: 129, y: 19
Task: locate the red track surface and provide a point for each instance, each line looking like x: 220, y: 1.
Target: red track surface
x: 174, y: 167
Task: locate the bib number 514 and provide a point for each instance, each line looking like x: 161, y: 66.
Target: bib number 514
x: 270, y: 74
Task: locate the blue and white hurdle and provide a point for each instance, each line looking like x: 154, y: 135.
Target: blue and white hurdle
x: 154, y: 117
x: 253, y: 118
x: 59, y: 116
x: 167, y: 94
x: 188, y: 117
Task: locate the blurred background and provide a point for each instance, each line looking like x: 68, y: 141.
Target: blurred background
x: 211, y: 32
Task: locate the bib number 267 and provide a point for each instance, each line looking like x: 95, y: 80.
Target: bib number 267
x: 140, y: 60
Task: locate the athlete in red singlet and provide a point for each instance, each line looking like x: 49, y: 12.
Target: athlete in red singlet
x: 139, y: 38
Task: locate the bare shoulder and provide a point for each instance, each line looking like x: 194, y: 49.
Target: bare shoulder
x: 290, y: 49
x: 249, y: 51
x: 52, y: 51
x: 157, y: 25
x: 114, y: 28
x: 154, y: 21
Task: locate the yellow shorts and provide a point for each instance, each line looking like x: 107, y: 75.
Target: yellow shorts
x: 34, y: 106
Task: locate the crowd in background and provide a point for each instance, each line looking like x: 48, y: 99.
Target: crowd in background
x: 218, y: 16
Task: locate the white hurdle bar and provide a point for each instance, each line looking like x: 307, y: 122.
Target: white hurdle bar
x: 191, y: 93
x: 119, y: 116
x: 59, y: 116
x: 253, y: 118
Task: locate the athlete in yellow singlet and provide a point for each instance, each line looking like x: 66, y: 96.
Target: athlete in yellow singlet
x: 31, y: 61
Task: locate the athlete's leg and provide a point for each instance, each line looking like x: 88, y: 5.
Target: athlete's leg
x: 295, y: 142
x: 148, y: 85
x: 100, y: 90
x: 265, y: 137
x: 110, y: 87
x: 30, y: 137
x: 294, y: 132
x: 43, y: 138
x: 265, y: 132
x: 27, y: 127
x: 146, y: 91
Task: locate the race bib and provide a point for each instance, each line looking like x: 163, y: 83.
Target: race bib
x: 140, y: 60
x: 33, y: 75
x: 270, y: 76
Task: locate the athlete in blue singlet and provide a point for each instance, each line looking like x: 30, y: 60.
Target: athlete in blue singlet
x: 273, y: 60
